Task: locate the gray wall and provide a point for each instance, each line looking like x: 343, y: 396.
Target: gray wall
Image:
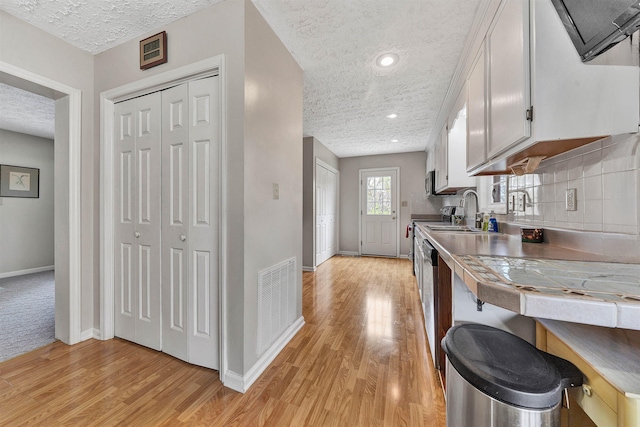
x: 34, y: 51
x: 312, y: 150
x: 273, y: 154
x: 412, y: 172
x: 264, y: 129
x: 26, y: 225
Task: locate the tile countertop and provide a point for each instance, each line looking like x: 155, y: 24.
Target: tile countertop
x: 613, y: 353
x: 553, y: 283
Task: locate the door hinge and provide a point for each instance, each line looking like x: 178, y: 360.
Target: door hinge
x: 529, y: 114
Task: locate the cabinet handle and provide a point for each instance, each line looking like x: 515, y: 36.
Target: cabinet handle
x: 183, y: 237
x: 137, y: 234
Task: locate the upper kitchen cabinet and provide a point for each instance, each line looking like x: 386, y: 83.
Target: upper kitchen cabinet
x: 477, y: 112
x: 509, y: 93
x: 451, y: 149
x: 531, y: 97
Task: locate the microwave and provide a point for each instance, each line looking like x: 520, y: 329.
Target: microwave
x: 430, y: 184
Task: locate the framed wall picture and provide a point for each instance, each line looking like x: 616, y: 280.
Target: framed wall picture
x: 153, y: 50
x: 16, y: 181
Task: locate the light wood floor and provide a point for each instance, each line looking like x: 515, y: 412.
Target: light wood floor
x: 360, y: 360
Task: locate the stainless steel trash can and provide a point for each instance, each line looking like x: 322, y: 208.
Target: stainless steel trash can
x: 496, y: 379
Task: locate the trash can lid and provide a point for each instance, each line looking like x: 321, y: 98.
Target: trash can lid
x: 508, y: 368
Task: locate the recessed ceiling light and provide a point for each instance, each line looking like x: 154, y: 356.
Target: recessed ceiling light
x: 392, y: 116
x: 386, y: 60
x: 394, y: 140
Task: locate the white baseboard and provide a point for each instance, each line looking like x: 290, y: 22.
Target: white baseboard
x: 348, y: 253
x: 90, y: 333
x: 27, y: 271
x: 405, y: 256
x: 311, y: 269
x: 241, y: 383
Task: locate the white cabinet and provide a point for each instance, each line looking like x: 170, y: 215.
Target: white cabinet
x: 477, y: 111
x: 541, y: 99
x: 441, y: 164
x: 451, y: 151
x: 509, y: 94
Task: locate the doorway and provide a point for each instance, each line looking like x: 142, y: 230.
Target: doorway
x: 326, y: 211
x: 379, y: 189
x: 67, y: 174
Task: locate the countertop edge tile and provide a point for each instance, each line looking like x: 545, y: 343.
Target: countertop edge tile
x: 598, y: 313
x: 628, y: 315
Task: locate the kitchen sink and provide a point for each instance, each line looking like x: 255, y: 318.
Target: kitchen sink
x: 456, y: 228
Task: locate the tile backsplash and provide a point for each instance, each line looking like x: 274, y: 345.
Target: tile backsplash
x: 605, y: 176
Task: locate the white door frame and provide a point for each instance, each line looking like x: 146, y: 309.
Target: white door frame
x: 72, y: 317
x: 205, y: 68
x: 396, y: 207
x: 337, y: 172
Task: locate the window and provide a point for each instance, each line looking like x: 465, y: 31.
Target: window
x: 493, y: 193
x: 379, y: 195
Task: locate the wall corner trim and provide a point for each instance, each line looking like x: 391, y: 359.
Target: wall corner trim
x: 90, y: 333
x: 241, y: 383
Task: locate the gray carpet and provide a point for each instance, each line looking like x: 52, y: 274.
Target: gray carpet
x: 27, y: 311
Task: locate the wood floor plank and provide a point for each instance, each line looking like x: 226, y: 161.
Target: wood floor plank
x: 362, y: 359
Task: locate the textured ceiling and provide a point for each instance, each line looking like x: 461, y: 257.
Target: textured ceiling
x: 346, y: 96
x: 26, y: 112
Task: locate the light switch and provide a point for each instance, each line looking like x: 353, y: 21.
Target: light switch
x: 276, y: 191
x: 405, y: 204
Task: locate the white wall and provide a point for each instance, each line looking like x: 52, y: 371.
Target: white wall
x: 412, y: 172
x: 26, y: 224
x: 605, y: 175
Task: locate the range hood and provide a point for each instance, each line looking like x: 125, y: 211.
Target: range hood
x: 595, y: 26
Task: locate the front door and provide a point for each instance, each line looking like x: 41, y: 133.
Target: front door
x: 378, y: 215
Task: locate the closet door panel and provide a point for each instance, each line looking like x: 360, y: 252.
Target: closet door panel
x: 147, y: 236
x: 204, y: 147
x: 175, y: 230
x: 124, y: 258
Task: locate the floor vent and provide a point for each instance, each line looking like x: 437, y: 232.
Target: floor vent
x: 277, y: 302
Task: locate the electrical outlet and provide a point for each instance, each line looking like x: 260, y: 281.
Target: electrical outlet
x: 276, y: 191
x: 570, y: 199
x: 522, y: 202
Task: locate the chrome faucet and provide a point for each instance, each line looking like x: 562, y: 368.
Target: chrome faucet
x: 478, y: 219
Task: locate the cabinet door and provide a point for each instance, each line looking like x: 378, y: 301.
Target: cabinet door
x: 509, y: 80
x: 476, y: 112
x: 441, y: 165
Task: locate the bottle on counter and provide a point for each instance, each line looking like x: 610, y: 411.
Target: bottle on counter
x: 493, y: 223
x: 485, y: 222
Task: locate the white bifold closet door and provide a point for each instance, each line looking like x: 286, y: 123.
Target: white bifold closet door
x: 137, y: 232
x: 186, y: 191
x: 326, y: 213
x: 190, y: 234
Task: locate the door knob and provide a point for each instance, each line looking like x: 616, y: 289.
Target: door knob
x: 393, y: 217
x: 183, y: 237
x: 137, y: 234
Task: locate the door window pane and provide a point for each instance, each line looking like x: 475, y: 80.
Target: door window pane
x: 379, y: 195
